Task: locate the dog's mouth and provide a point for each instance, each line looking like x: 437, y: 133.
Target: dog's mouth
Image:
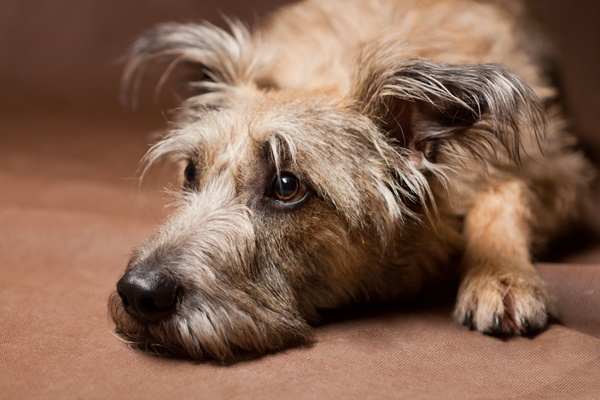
x: 221, y: 331
x: 145, y: 343
x: 169, y: 337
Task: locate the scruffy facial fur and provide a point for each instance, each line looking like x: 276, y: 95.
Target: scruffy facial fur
x: 411, y: 133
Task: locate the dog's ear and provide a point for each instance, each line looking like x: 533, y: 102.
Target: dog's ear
x: 428, y: 107
x: 218, y: 58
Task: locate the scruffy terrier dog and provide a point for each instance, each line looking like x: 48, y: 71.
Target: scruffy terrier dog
x: 346, y: 151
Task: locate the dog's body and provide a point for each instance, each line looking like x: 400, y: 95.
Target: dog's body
x: 349, y: 151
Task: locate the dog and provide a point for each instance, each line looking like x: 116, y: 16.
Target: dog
x: 351, y: 151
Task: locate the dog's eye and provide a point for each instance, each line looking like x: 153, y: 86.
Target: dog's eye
x: 287, y: 188
x: 189, y: 175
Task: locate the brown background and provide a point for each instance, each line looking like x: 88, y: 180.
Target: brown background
x: 70, y: 214
x: 63, y: 54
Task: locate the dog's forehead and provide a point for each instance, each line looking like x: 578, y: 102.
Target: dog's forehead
x: 248, y: 127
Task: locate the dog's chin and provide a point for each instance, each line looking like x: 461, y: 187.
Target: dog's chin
x: 203, y: 337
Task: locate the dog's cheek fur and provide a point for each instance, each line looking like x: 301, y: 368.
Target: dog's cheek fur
x: 323, y: 272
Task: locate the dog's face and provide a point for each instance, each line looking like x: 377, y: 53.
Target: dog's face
x: 293, y: 201
x: 283, y: 201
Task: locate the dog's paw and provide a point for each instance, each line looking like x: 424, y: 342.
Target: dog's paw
x: 502, y: 304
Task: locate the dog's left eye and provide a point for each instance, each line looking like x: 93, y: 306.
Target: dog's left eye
x: 189, y: 175
x: 287, y: 188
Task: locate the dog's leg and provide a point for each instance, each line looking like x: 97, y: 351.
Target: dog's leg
x: 501, y: 291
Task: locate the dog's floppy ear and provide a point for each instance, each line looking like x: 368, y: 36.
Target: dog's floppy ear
x: 222, y: 58
x: 428, y: 107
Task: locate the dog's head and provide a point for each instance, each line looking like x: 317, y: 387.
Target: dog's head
x: 294, y: 201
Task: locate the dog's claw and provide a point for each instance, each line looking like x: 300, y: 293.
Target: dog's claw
x: 530, y: 329
x: 495, y: 329
x: 468, y: 320
x: 497, y: 321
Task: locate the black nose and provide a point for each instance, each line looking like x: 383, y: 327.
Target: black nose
x: 148, y: 295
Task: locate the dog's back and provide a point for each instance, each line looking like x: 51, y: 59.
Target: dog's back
x: 315, y: 44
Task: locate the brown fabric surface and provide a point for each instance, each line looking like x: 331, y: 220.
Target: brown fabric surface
x: 68, y: 219
x: 576, y: 295
x: 70, y: 214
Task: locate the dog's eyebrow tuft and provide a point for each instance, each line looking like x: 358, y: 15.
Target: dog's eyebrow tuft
x: 282, y: 149
x: 179, y: 144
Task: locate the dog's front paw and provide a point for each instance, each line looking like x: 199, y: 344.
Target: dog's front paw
x: 502, y: 304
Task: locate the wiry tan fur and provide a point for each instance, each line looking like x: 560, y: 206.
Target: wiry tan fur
x: 423, y: 130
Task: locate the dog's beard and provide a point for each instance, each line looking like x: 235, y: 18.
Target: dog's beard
x: 217, y: 332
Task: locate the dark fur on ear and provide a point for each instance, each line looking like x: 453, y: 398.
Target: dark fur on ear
x: 223, y: 58
x: 429, y: 107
